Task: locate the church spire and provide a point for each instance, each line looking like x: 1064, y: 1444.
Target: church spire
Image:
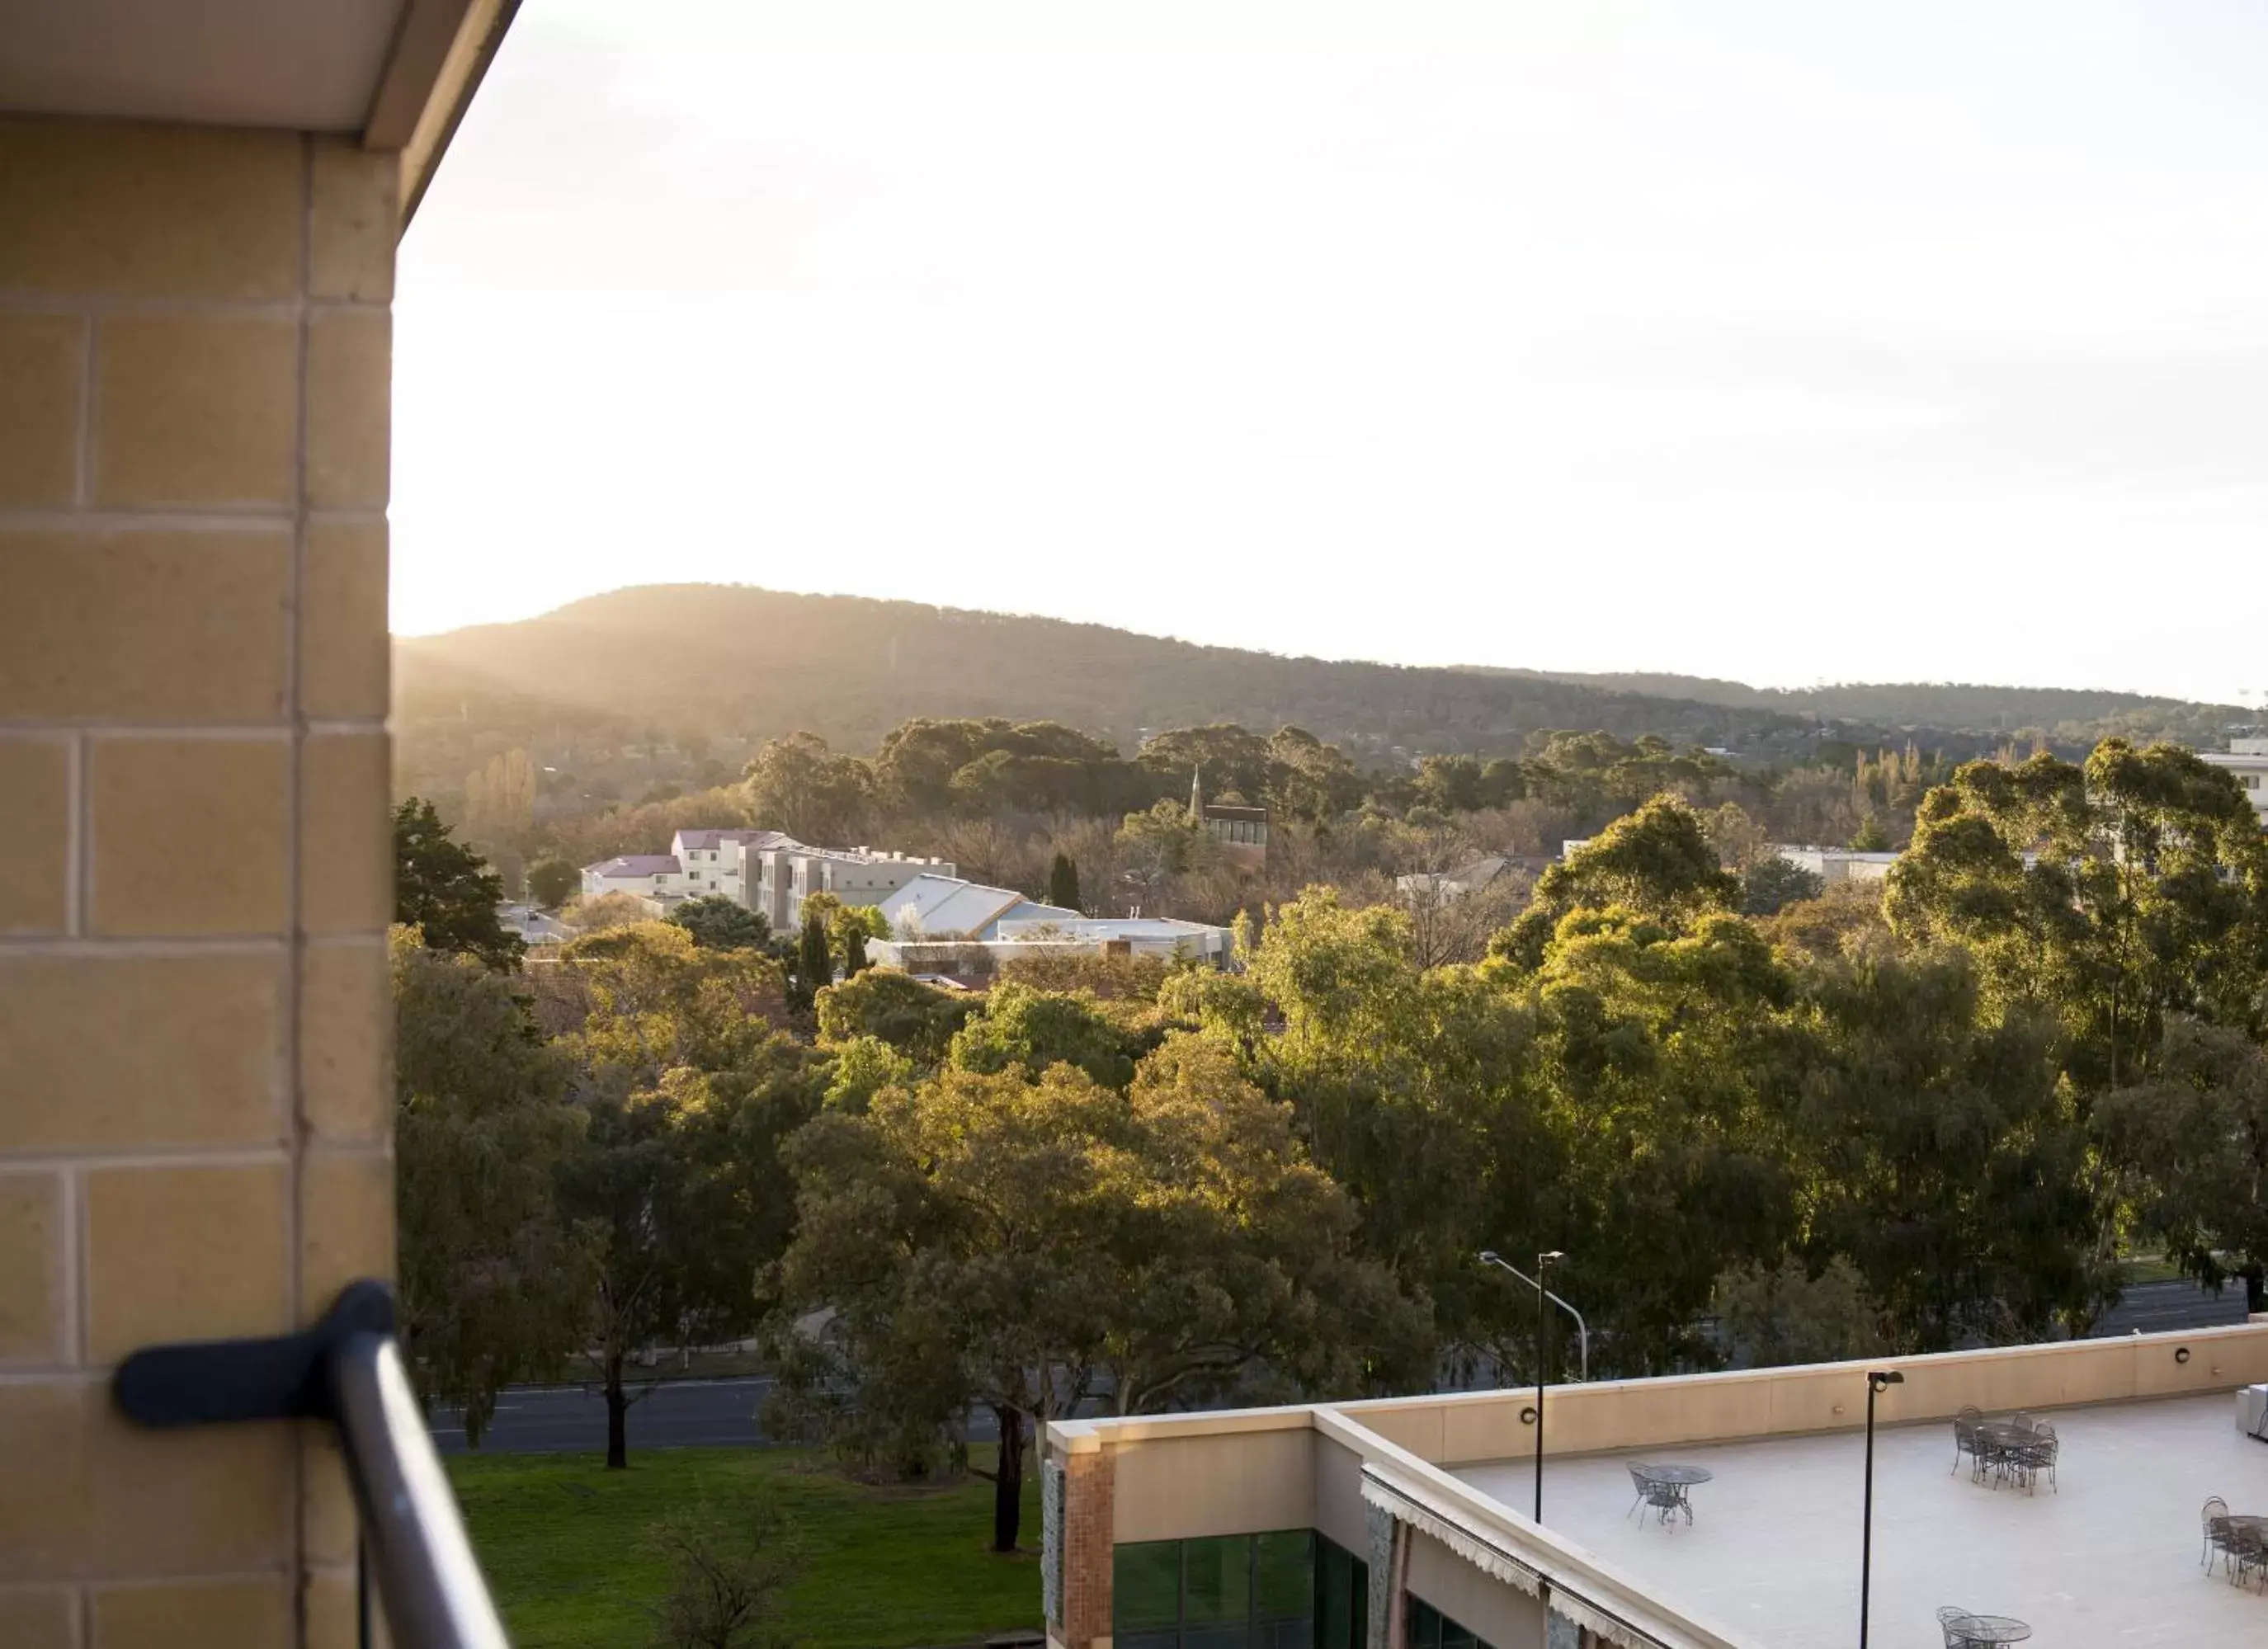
x: 1196, y: 794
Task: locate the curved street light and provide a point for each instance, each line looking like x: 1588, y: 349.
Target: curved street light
x: 1543, y: 1263
x: 1489, y: 1257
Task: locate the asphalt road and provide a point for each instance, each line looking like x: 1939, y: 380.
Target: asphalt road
x: 710, y: 1413
x: 679, y: 1414
x: 2161, y: 1307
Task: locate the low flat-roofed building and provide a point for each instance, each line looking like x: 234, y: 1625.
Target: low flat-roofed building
x: 1838, y: 864
x: 1829, y: 864
x: 974, y: 962
x: 1162, y: 936
x: 1424, y: 1503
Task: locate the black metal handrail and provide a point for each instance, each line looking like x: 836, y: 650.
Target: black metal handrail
x: 346, y: 1370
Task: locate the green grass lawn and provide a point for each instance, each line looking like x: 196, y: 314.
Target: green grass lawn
x: 2148, y: 1268
x: 563, y: 1542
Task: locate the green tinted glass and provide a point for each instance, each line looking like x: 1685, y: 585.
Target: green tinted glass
x: 1335, y: 1622
x: 1145, y: 1587
x: 1284, y: 1573
x: 1217, y: 1577
x: 1425, y: 1625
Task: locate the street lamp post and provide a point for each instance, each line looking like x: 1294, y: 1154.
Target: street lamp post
x: 1877, y: 1380
x: 1542, y: 1366
x: 1545, y: 1301
x: 1489, y: 1257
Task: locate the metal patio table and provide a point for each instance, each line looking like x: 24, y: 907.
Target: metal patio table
x: 1999, y: 1438
x: 1990, y: 1629
x: 2245, y: 1529
x: 1667, y: 1487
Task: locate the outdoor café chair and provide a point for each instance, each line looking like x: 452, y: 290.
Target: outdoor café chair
x: 2214, y: 1519
x: 1965, y: 1422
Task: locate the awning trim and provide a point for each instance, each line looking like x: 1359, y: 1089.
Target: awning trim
x: 1411, y: 1502
x: 1400, y: 1498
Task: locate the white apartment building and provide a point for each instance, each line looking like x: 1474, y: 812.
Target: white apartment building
x: 768, y: 871
x: 715, y: 862
x: 2248, y: 760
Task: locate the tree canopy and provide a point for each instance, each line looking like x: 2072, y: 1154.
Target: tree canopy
x: 446, y: 891
x: 719, y: 924
x: 1763, y: 1119
x: 492, y: 1276
x: 1040, y: 1230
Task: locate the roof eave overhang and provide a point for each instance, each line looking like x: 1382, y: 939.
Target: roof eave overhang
x: 440, y: 54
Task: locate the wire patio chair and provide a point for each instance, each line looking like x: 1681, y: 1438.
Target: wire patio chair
x: 2212, y: 1520
x: 1652, y: 1492
x: 2029, y: 1459
x: 2247, y: 1550
x: 1964, y: 1434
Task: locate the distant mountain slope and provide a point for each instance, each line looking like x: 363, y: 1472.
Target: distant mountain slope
x: 733, y: 660
x: 730, y: 662
x: 1952, y: 705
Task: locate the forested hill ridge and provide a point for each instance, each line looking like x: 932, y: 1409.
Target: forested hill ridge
x: 729, y: 661
x: 734, y: 661
x: 2066, y: 714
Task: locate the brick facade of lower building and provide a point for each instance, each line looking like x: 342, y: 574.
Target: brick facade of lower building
x: 1088, y: 1523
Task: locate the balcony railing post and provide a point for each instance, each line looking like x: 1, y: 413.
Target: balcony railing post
x: 346, y: 1370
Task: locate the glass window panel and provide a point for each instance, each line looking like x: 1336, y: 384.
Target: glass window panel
x: 1455, y: 1637
x: 1425, y: 1625
x: 1145, y: 1588
x: 1285, y: 1575
x: 1217, y: 1583
x: 1335, y: 1627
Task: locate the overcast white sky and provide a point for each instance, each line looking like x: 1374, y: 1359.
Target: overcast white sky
x: 1792, y: 343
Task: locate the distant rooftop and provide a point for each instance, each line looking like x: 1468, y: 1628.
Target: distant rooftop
x: 709, y: 840
x: 630, y: 864
x: 1106, y: 928
x: 944, y: 906
x: 854, y: 856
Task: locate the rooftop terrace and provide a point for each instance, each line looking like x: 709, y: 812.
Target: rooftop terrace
x: 1430, y: 1496
x: 2108, y: 1557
